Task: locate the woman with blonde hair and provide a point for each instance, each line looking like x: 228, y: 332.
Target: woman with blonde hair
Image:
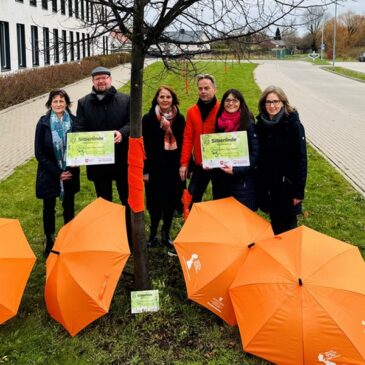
x: 282, y: 164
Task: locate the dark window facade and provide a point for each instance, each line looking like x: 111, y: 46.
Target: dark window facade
x: 78, y: 46
x: 46, y: 50
x: 33, y: 2
x: 83, y: 46
x: 20, y: 35
x: 4, y: 46
x: 64, y: 46
x: 63, y: 7
x: 88, y: 46
x: 56, y: 46
x: 82, y: 8
x: 70, y: 8
x: 35, y: 45
x: 76, y: 8
x: 44, y: 4
x: 72, y: 46
x: 87, y: 11
x: 54, y: 6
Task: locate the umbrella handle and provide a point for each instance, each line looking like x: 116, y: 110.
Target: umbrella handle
x: 103, y: 287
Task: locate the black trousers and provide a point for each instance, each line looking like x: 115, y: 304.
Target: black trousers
x: 199, y: 182
x: 49, y: 212
x: 283, y: 222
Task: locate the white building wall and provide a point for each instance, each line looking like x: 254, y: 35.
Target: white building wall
x: 22, y: 12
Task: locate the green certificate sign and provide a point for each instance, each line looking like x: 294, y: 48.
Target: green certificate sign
x: 145, y: 301
x: 220, y: 149
x: 90, y: 148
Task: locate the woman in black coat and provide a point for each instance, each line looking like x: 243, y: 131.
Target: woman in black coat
x: 282, y: 166
x: 163, y: 128
x: 239, y: 182
x: 54, y: 178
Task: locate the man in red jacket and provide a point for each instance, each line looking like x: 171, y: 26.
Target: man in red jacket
x: 200, y: 119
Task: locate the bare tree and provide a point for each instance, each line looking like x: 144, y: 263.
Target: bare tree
x: 313, y: 19
x: 154, y: 25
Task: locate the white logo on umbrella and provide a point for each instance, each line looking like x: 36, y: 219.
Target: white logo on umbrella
x: 327, y: 357
x: 194, y: 261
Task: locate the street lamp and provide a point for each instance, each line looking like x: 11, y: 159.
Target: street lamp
x: 334, y: 38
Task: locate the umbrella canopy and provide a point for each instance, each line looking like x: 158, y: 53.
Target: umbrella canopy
x: 212, y: 245
x: 299, y: 299
x: 85, y: 264
x: 16, y: 263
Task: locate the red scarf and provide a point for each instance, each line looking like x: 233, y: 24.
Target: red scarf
x: 229, y: 122
x: 166, y: 120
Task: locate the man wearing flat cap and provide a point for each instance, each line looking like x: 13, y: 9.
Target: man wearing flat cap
x: 106, y: 109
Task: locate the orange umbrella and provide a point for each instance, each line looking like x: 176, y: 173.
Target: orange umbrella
x: 85, y: 265
x: 16, y: 263
x: 299, y: 299
x: 212, y: 245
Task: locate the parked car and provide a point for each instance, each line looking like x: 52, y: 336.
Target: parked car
x: 362, y: 57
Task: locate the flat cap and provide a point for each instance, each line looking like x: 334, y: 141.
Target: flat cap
x: 100, y: 71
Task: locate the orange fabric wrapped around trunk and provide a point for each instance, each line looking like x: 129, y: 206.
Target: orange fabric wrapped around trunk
x: 136, y: 157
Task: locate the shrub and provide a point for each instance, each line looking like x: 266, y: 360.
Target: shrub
x: 27, y: 84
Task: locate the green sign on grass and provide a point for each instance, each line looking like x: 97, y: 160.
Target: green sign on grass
x: 144, y: 301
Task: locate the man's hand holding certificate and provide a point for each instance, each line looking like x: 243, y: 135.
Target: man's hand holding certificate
x: 219, y: 149
x: 90, y: 148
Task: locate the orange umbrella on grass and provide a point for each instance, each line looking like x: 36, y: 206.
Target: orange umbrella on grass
x: 85, y: 264
x: 16, y: 263
x: 212, y: 245
x: 299, y: 299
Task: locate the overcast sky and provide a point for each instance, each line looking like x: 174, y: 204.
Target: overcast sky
x: 357, y: 6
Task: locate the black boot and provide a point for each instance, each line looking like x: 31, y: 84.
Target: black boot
x: 49, y: 242
x: 165, y: 238
x: 153, y: 240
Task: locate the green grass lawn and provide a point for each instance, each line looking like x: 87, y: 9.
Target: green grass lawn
x: 346, y: 72
x: 182, y: 332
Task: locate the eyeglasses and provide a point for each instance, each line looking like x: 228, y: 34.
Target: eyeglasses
x: 274, y: 102
x: 234, y: 101
x: 101, y: 78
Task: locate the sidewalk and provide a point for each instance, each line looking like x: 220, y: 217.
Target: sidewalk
x: 17, y: 123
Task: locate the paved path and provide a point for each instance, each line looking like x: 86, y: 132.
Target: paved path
x: 355, y: 66
x: 17, y: 123
x: 332, y: 109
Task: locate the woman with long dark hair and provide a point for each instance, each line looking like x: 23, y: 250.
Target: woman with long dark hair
x: 234, y: 115
x: 54, y: 178
x: 163, y: 129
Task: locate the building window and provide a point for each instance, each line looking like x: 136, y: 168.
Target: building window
x: 72, y: 51
x: 69, y: 7
x: 82, y: 6
x: 20, y: 34
x: 44, y: 4
x: 54, y: 6
x: 46, y: 51
x: 64, y: 46
x: 78, y: 48
x: 56, y: 46
x: 4, y: 46
x: 91, y: 12
x: 105, y: 45
x: 88, y: 46
x: 33, y: 2
x: 87, y: 10
x: 83, y: 46
x: 76, y: 8
x: 35, y: 45
x: 63, y: 7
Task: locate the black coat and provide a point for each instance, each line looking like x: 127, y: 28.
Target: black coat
x: 241, y: 185
x: 282, y: 166
x: 111, y: 113
x: 48, y: 171
x: 162, y: 166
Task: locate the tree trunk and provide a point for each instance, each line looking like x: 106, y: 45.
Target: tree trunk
x: 140, y: 254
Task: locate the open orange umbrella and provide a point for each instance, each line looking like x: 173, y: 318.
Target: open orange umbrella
x: 299, y: 299
x: 85, y: 265
x: 212, y: 245
x: 16, y: 263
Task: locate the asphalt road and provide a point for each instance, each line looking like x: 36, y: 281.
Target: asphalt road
x: 332, y: 110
